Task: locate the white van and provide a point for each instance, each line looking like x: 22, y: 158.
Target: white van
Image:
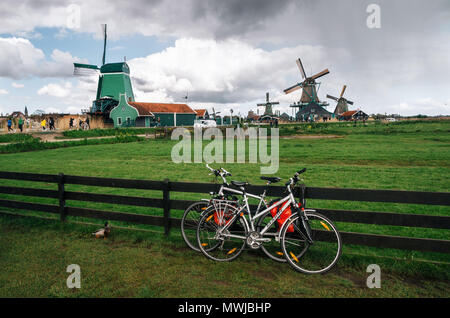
x: 205, y: 123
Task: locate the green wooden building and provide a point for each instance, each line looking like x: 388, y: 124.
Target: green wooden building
x: 136, y: 114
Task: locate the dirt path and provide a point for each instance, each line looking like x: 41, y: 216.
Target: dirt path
x: 58, y: 137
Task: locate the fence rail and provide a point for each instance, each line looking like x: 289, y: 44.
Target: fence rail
x: 167, y: 204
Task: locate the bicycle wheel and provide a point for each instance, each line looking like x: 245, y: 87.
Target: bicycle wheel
x: 272, y: 249
x: 216, y: 242
x: 189, y: 223
x: 318, y: 257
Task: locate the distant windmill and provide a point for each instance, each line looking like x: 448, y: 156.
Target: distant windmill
x: 215, y: 113
x: 309, y: 84
x: 342, y: 103
x: 309, y: 104
x: 186, y: 97
x: 268, y: 105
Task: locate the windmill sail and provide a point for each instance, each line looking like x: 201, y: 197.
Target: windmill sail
x: 300, y: 66
x: 292, y: 88
x: 104, y: 43
x: 343, y: 90
x: 84, y: 69
x: 332, y: 97
x: 324, y: 72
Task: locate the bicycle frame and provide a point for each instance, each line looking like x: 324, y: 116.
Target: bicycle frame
x: 287, y: 201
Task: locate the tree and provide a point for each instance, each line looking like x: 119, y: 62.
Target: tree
x: 26, y: 111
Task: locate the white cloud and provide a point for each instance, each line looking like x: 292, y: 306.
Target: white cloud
x: 52, y: 110
x: 3, y: 91
x: 56, y: 90
x: 227, y: 71
x: 22, y: 59
x: 17, y: 85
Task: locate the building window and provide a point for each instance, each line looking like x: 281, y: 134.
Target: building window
x: 119, y: 121
x: 128, y: 121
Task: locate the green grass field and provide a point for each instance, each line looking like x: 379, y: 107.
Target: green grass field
x: 405, y: 156
x: 36, y: 253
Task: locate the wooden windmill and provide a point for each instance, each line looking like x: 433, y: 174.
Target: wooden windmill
x: 342, y: 103
x: 309, y: 104
x: 113, y: 80
x: 268, y: 106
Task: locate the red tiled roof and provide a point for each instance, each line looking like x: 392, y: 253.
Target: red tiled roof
x: 200, y: 112
x: 148, y: 109
x: 348, y: 113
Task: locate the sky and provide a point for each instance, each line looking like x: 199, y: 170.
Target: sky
x: 393, y: 55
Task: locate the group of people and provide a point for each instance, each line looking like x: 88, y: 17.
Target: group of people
x: 50, y: 122
x: 274, y: 122
x: 84, y: 125
x: 20, y: 123
x: 46, y: 123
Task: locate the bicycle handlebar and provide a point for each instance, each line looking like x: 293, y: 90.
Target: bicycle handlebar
x: 219, y: 173
x: 294, y: 179
x: 226, y: 173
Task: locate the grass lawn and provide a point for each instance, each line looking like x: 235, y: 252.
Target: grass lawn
x: 36, y: 253
x: 404, y: 156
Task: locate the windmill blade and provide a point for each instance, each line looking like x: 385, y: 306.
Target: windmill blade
x: 267, y: 96
x: 324, y: 72
x: 292, y: 88
x: 349, y: 102
x: 343, y: 90
x: 104, y: 43
x: 274, y: 103
x: 332, y: 97
x: 261, y: 104
x: 84, y: 69
x: 300, y: 67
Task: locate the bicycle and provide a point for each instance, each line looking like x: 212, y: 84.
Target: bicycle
x: 221, y: 200
x: 223, y: 233
x: 193, y: 213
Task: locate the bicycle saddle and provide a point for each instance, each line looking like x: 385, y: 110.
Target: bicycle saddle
x: 271, y: 179
x: 239, y: 183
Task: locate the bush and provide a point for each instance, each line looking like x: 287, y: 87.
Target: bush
x: 15, y: 138
x: 36, y: 144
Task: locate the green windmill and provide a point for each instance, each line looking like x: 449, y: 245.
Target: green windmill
x: 268, y: 106
x: 113, y: 80
x: 309, y: 105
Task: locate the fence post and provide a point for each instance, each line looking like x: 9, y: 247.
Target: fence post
x: 301, y: 194
x: 166, y: 200
x: 62, y: 201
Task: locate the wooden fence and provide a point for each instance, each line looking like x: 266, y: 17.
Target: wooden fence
x: 167, y: 204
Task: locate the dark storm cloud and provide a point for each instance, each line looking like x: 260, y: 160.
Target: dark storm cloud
x: 407, y: 58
